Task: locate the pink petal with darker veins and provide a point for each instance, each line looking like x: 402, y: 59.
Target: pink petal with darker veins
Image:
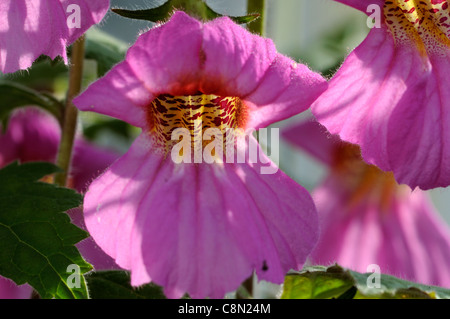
x: 198, y: 228
x: 408, y: 239
x: 184, y: 57
x: 239, y: 63
x: 392, y: 102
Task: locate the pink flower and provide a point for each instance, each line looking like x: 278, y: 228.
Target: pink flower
x: 33, y: 135
x: 366, y: 218
x: 30, y: 28
x: 391, y: 94
x: 200, y: 228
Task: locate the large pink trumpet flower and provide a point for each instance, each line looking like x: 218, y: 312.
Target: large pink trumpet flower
x: 200, y: 228
x: 391, y: 95
x: 368, y: 219
x: 30, y: 28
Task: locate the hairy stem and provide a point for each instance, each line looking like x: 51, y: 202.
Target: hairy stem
x: 70, y: 112
x: 257, y: 6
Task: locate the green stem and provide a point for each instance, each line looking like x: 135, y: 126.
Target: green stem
x: 257, y: 6
x: 70, y: 112
x: 196, y: 8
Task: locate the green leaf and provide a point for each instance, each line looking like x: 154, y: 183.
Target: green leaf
x: 396, y: 288
x: 211, y: 14
x: 337, y: 283
x: 317, y: 283
x: 246, y: 19
x: 163, y: 12
x: 14, y: 95
x: 112, y: 125
x: 38, y: 239
x: 154, y: 15
x: 115, y: 284
x: 104, y: 50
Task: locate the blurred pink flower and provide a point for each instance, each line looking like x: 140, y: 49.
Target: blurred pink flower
x: 367, y: 218
x: 200, y: 228
x: 30, y: 28
x: 391, y: 94
x: 33, y: 135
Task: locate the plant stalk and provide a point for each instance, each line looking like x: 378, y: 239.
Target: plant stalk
x: 257, y: 6
x: 70, y: 112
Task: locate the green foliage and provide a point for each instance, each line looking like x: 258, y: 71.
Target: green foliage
x: 154, y: 15
x: 317, y: 283
x: 115, y: 284
x: 42, y: 75
x: 115, y: 126
x: 105, y: 51
x: 336, y: 283
x: 195, y: 7
x: 15, y: 95
x: 37, y: 236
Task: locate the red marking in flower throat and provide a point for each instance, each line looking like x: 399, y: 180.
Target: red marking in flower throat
x: 195, y: 113
x: 422, y: 23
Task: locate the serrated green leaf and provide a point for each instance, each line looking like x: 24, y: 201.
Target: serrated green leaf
x: 14, y: 95
x: 115, y: 284
x: 38, y: 239
x: 336, y: 282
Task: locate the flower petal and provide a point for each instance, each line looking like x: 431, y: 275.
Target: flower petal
x: 88, y: 248
x: 31, y: 28
x: 239, y: 63
x: 418, y: 130
x: 92, y: 12
x: 31, y: 135
x: 288, y: 88
x: 408, y: 239
x: 361, y: 5
x: 392, y: 102
x: 183, y: 57
x: 312, y: 137
x: 235, y: 59
x: 198, y: 228
x: 9, y: 290
x: 88, y: 162
x: 119, y: 94
x: 167, y: 59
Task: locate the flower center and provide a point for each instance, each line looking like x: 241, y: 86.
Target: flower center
x: 425, y: 22
x: 196, y: 114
